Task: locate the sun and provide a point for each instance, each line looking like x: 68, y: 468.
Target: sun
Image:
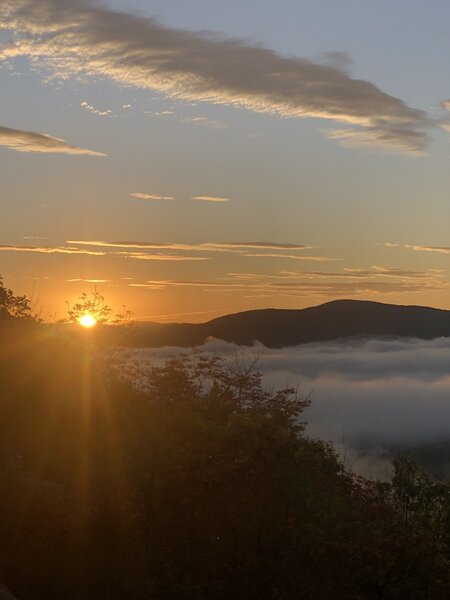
x: 87, y: 321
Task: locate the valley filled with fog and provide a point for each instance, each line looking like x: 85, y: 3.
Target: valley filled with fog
x: 369, y: 397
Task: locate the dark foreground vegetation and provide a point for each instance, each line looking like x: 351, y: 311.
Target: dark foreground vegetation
x: 195, y: 483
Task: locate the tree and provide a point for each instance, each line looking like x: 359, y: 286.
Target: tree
x: 95, y: 306
x: 12, y: 306
x: 198, y: 484
x: 92, y: 304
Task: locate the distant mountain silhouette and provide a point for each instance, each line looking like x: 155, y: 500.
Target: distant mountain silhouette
x: 279, y: 328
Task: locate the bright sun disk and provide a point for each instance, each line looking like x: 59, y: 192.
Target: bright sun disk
x: 87, y: 321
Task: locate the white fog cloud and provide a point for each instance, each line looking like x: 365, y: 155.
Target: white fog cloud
x: 376, y: 392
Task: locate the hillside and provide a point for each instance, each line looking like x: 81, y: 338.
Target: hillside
x: 280, y: 328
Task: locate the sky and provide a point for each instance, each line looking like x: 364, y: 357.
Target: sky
x: 194, y: 159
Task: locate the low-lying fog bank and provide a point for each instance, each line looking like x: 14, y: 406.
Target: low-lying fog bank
x: 373, y: 395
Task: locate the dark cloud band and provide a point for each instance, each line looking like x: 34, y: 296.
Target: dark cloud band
x: 79, y: 37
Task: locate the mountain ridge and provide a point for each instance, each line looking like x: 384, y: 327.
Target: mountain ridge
x: 276, y: 328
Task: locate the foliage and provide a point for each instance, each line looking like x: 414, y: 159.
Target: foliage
x: 194, y: 482
x: 123, y: 318
x: 93, y: 304
x: 12, y: 306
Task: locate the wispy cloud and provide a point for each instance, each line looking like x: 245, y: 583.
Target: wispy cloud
x: 101, y: 113
x: 85, y: 251
x: 233, y: 247
x: 258, y: 245
x: 141, y: 196
x: 380, y: 271
x: 438, y: 249
x: 210, y: 198
x: 347, y: 273
x: 159, y: 113
x: 49, y: 250
x: 81, y: 280
x: 28, y: 141
x: 276, y: 250
x: 78, y: 37
x: 346, y: 283
x: 419, y: 248
x: 170, y: 317
x: 159, y: 257
x: 291, y: 256
x: 318, y: 289
x: 207, y: 122
x: 386, y: 139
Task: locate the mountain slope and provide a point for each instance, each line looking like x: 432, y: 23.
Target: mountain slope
x: 278, y: 328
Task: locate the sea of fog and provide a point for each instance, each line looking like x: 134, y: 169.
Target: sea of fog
x: 367, y: 395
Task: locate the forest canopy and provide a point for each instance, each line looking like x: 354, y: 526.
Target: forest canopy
x: 191, y: 480
x: 13, y: 306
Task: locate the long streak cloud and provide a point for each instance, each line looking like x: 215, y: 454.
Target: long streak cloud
x: 29, y: 141
x: 77, y: 37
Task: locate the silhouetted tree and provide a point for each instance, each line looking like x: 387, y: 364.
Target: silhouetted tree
x: 12, y: 306
x: 92, y: 304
